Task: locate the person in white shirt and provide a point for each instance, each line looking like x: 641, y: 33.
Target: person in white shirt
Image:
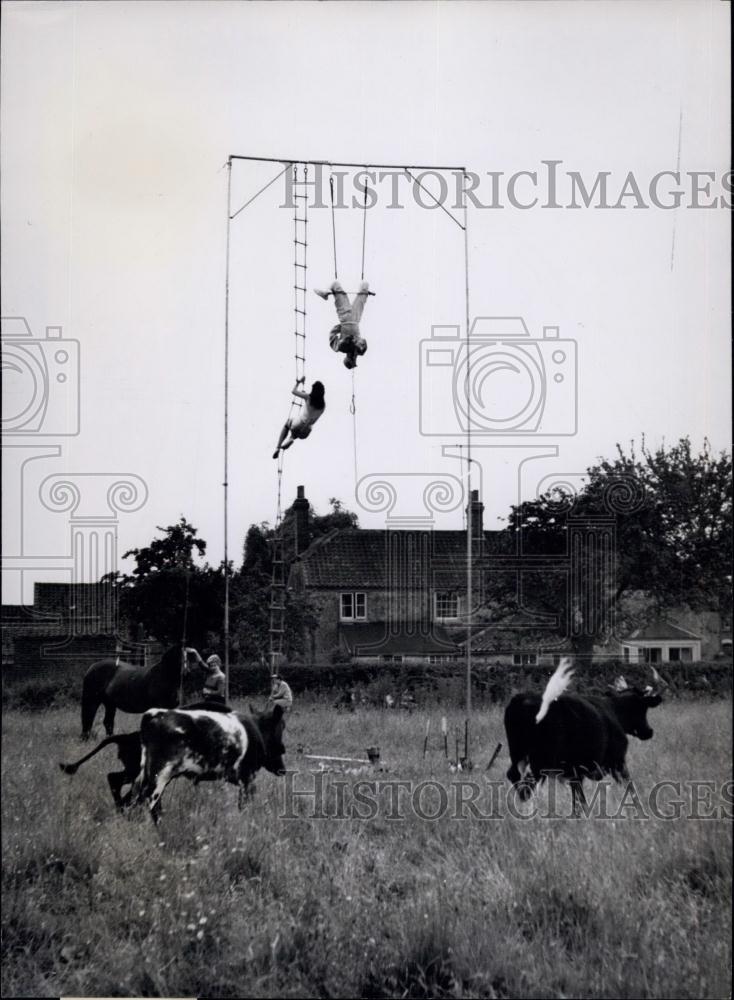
x: 300, y: 426
x: 215, y: 682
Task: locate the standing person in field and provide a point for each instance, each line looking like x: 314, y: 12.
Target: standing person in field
x: 215, y: 681
x: 280, y: 694
x: 300, y: 426
x: 345, y: 337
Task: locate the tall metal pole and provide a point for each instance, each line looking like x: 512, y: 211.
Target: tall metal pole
x: 469, y: 513
x: 225, y: 484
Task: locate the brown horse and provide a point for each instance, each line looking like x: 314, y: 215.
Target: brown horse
x: 116, y: 684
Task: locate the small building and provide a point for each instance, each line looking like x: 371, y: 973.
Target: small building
x: 66, y: 623
x: 520, y: 639
x: 661, y: 642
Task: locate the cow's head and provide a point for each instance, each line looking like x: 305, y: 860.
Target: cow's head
x: 271, y: 724
x: 631, y: 705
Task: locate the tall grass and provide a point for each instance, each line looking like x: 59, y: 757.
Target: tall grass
x: 216, y: 902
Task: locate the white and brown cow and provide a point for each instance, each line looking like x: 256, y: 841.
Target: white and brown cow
x: 207, y: 745
x: 198, y: 742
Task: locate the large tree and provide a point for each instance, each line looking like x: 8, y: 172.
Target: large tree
x: 671, y: 514
x: 168, y: 593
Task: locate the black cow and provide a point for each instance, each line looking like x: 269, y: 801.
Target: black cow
x: 575, y: 737
x: 208, y: 729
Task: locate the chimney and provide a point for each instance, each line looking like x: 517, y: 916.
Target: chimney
x: 300, y: 509
x: 477, y: 522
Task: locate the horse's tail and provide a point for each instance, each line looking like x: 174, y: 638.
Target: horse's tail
x: 73, y: 768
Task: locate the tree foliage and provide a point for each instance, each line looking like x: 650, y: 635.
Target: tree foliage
x: 671, y: 515
x: 251, y: 586
x: 168, y: 593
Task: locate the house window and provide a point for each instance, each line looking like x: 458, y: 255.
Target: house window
x: 626, y: 652
x: 680, y: 654
x: 524, y: 659
x: 392, y: 658
x: 447, y: 604
x: 438, y: 658
x: 652, y: 654
x: 353, y: 607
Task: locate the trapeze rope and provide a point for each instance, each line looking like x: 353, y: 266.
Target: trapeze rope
x: 333, y: 224
x: 353, y: 411
x: 364, y: 226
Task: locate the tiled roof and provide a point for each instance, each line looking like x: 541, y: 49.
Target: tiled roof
x: 12, y: 613
x: 520, y: 631
x: 357, y: 557
x: 62, y: 608
x: 661, y: 630
x: 376, y: 639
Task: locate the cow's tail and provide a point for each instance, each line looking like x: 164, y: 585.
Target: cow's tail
x: 555, y: 687
x: 73, y: 768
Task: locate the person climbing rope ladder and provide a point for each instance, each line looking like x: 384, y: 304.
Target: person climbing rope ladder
x: 345, y: 337
x: 300, y: 426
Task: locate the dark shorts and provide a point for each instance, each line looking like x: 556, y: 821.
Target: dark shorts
x: 298, y: 430
x: 216, y: 698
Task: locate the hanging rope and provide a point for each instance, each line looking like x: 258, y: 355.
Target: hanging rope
x: 463, y: 486
x: 333, y: 223
x: 353, y: 411
x: 364, y: 226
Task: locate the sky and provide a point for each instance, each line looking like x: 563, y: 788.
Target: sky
x: 118, y: 120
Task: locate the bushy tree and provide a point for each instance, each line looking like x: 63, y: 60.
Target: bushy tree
x: 251, y: 586
x: 168, y: 593
x: 672, y: 511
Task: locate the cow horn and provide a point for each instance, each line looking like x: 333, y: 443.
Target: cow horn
x: 620, y: 684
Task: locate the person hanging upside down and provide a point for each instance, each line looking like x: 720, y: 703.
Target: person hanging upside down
x: 300, y: 426
x: 345, y: 337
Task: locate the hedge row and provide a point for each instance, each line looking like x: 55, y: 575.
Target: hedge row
x: 57, y: 684
x: 489, y: 683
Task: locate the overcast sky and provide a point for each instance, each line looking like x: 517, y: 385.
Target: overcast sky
x: 117, y: 122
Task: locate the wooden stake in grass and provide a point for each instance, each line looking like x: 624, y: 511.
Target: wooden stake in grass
x: 493, y: 758
x: 444, y: 735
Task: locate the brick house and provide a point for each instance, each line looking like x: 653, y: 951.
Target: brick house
x: 397, y: 596
x: 66, y: 623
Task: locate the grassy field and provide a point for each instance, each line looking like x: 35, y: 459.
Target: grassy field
x: 221, y: 903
